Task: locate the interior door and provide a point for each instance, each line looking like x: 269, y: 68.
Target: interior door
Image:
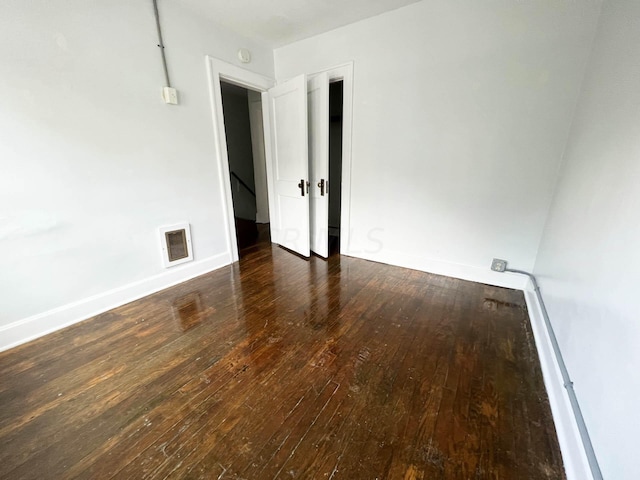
x: 288, y: 164
x: 318, y: 110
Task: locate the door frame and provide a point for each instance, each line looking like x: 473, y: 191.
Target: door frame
x: 218, y: 70
x: 344, y: 73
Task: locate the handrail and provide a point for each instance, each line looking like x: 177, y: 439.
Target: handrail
x: 241, y: 182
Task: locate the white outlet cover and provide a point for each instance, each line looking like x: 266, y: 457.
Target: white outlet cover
x: 170, y: 95
x: 498, y: 265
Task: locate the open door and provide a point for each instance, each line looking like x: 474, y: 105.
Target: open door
x: 318, y: 110
x: 288, y: 164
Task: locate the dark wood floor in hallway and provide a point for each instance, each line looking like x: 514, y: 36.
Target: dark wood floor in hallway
x: 278, y: 367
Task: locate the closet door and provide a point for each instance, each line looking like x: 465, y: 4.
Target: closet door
x: 288, y: 165
x: 318, y: 111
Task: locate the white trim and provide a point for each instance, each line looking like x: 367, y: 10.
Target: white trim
x: 449, y: 269
x: 345, y: 73
x: 30, y: 328
x: 216, y: 70
x: 268, y: 158
x: 574, y: 457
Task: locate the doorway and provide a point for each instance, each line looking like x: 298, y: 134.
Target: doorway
x: 242, y: 112
x: 260, y: 86
x: 336, y: 101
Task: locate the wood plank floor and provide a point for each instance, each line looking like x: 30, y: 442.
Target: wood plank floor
x: 278, y: 367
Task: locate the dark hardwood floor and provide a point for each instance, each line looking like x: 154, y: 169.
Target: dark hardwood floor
x: 278, y: 367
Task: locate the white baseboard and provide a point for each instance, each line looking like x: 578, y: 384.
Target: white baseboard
x: 573, y: 454
x: 455, y: 270
x: 30, y: 328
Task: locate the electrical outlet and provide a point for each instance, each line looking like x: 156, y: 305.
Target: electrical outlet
x: 498, y: 265
x: 170, y: 95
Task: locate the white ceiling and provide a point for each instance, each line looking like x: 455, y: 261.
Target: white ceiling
x: 278, y: 22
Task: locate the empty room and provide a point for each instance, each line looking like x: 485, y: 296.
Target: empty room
x: 387, y: 239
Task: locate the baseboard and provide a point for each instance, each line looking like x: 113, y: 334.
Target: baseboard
x: 36, y: 326
x: 438, y: 267
x: 573, y: 454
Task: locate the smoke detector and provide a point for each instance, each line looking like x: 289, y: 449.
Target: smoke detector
x: 244, y: 55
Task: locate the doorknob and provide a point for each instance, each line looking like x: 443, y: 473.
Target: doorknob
x: 301, y: 187
x: 321, y: 186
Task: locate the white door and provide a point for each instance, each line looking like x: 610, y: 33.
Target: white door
x: 318, y: 109
x: 288, y: 164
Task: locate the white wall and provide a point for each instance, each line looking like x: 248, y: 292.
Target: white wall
x: 461, y: 114
x: 91, y: 160
x: 589, y: 262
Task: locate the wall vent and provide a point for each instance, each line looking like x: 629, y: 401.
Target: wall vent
x: 175, y: 241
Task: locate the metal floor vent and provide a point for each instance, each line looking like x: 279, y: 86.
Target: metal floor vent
x: 175, y: 241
